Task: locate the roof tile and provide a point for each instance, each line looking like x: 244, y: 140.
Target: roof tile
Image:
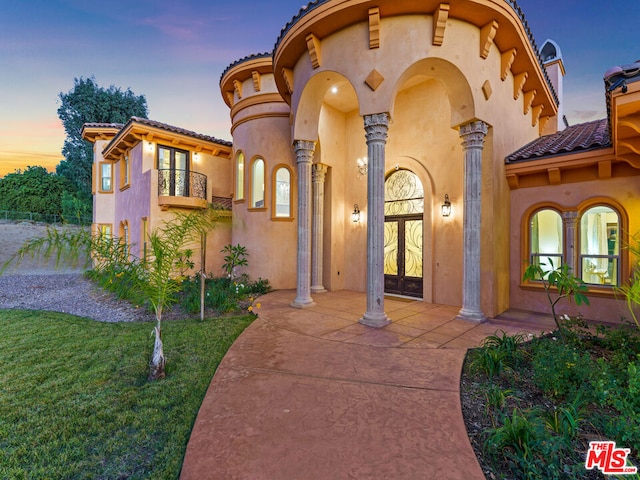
x: 576, y: 138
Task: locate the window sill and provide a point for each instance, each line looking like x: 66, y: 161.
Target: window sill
x: 257, y: 209
x: 124, y: 187
x: 592, y: 290
x: 282, y: 219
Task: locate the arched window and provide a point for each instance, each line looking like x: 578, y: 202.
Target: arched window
x: 282, y: 193
x: 257, y: 183
x: 600, y: 246
x: 546, y: 238
x: 239, y: 176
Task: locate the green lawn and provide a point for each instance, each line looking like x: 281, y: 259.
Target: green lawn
x: 75, y: 402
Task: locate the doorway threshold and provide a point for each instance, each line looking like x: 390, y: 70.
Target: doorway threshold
x: 401, y: 298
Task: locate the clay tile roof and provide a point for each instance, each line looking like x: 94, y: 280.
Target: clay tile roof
x: 102, y: 125
x: 576, y: 138
x: 244, y: 59
x: 223, y: 202
x: 182, y: 131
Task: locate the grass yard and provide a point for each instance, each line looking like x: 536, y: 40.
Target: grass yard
x: 75, y: 402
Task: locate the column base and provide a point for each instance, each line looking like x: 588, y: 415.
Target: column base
x: 318, y: 289
x: 374, y: 319
x: 303, y: 303
x: 471, y: 316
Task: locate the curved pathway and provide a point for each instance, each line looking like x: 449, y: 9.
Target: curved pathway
x: 313, y: 394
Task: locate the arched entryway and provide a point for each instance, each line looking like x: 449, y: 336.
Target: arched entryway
x: 403, y: 234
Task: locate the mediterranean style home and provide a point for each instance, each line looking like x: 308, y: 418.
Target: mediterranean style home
x: 144, y: 170
x: 413, y: 148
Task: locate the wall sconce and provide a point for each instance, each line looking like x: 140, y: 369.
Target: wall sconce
x: 363, y: 166
x: 355, y: 215
x: 446, y: 206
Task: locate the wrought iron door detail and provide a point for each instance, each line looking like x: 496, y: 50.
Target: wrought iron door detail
x: 403, y: 234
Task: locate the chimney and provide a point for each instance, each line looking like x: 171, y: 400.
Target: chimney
x: 553, y: 64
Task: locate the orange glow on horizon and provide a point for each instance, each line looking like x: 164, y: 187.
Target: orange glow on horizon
x: 29, y: 144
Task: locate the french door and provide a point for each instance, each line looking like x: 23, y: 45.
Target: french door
x: 403, y: 255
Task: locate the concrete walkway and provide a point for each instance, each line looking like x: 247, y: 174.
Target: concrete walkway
x: 313, y: 394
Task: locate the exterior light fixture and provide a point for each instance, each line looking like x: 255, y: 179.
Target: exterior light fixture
x: 446, y: 206
x: 355, y: 215
x: 363, y: 166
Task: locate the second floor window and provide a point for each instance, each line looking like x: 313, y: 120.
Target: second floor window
x: 173, y: 166
x: 106, y: 177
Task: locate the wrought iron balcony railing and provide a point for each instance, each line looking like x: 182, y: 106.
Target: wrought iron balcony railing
x: 181, y: 183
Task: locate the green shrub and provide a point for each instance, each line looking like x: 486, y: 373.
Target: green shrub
x: 509, y: 344
x: 222, y: 294
x: 560, y: 369
x: 489, y: 361
x: 565, y: 420
x: 625, y: 428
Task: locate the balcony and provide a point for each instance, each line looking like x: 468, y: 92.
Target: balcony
x: 181, y: 189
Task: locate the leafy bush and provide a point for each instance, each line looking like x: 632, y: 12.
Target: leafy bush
x: 235, y: 256
x: 560, y: 369
x: 489, y: 361
x: 589, y: 388
x: 222, y: 294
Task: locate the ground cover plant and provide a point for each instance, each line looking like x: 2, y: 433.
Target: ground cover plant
x: 76, y: 402
x: 532, y: 405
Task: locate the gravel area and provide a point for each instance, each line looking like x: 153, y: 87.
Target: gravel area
x: 68, y: 293
x: 35, y: 284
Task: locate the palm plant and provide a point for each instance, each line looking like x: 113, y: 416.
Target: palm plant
x: 155, y: 280
x: 160, y: 277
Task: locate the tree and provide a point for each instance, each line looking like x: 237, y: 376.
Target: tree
x: 558, y: 281
x: 33, y: 190
x: 87, y: 102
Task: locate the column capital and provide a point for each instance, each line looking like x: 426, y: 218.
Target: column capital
x: 473, y: 134
x: 570, y: 217
x: 376, y: 127
x: 318, y: 172
x: 304, y: 150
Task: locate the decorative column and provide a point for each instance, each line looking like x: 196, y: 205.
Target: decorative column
x: 376, y: 127
x: 318, y: 174
x: 570, y: 223
x: 304, y: 157
x: 473, y: 135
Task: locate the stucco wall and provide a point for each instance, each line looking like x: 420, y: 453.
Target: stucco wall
x: 271, y: 244
x: 625, y: 192
x: 103, y: 203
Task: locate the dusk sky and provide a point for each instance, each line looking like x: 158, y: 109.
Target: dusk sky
x: 173, y: 52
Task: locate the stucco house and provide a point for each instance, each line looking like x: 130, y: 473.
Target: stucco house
x: 417, y: 149
x: 145, y: 170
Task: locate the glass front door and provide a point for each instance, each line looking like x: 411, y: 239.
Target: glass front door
x: 404, y: 205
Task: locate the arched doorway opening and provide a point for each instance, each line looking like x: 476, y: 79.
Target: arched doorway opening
x: 403, y: 234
